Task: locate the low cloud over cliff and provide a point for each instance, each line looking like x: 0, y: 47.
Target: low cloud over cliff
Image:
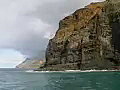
x: 27, y: 25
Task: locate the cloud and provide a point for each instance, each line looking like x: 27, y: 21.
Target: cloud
x: 27, y: 25
x: 12, y: 59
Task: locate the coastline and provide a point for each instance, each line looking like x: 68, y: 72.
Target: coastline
x: 46, y: 71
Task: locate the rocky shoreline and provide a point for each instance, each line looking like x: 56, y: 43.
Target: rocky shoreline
x: 74, y: 68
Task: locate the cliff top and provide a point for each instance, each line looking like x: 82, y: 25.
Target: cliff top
x: 79, y: 19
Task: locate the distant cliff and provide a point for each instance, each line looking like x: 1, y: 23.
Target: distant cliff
x: 30, y: 64
x: 87, y: 39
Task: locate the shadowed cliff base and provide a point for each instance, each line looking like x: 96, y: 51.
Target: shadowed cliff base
x: 87, y: 39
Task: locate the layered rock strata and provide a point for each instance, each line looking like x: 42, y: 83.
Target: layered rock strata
x: 87, y: 39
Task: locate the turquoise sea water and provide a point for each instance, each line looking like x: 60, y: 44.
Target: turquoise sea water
x: 12, y: 79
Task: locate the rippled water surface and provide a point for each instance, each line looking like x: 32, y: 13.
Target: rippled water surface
x: 12, y: 79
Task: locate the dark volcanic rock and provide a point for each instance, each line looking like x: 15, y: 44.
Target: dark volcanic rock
x: 87, y: 39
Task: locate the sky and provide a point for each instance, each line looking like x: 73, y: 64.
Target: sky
x: 27, y: 25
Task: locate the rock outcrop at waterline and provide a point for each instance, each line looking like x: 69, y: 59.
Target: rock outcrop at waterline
x: 87, y: 39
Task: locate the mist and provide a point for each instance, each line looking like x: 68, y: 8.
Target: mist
x: 27, y: 25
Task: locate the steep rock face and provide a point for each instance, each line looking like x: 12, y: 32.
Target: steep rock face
x: 86, y: 39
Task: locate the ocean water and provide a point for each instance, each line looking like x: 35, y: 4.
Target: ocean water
x: 14, y: 79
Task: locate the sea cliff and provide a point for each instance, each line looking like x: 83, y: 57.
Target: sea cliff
x: 87, y: 39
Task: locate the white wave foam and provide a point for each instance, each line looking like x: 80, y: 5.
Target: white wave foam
x: 29, y: 71
x: 32, y: 71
